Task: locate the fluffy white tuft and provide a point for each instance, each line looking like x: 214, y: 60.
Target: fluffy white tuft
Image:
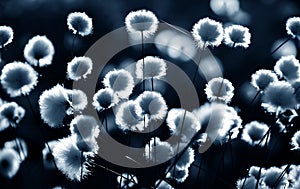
x: 80, y: 23
x: 141, y: 21
x: 9, y: 162
x: 288, y: 67
x: 249, y: 184
x: 262, y: 78
x: 18, y: 78
x: 120, y: 81
x: 153, y: 105
x: 16, y: 144
x: 219, y: 89
x: 85, y: 126
x: 54, y: 105
x: 68, y: 159
x: 293, y: 27
x: 39, y: 51
x: 154, y: 67
x: 183, y: 124
x: 10, y: 113
x: 160, y: 151
x: 237, y: 36
x: 278, y: 97
x: 208, y: 32
x: 104, y: 99
x: 295, y: 141
x: 253, y: 133
x: 271, y: 176
x: 180, y: 175
x: 6, y: 35
x: 79, y: 67
x: 129, y: 117
x: 78, y: 99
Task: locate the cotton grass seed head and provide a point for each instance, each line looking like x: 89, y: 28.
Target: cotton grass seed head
x: 85, y: 126
x: 10, y: 114
x: 141, y: 21
x: 18, y: 79
x: 9, y: 162
x: 39, y: 51
x: 278, y: 97
x: 248, y: 184
x: 160, y: 151
x: 54, y: 105
x: 262, y: 78
x: 129, y: 117
x: 104, y: 99
x: 79, y: 68
x: 296, y: 86
x: 154, y: 67
x: 78, y: 99
x: 254, y: 132
x: 293, y: 27
x: 271, y: 176
x: 180, y: 175
x: 208, y: 32
x: 21, y: 144
x: 295, y: 141
x: 153, y: 105
x: 186, y: 159
x: 183, y: 124
x: 219, y: 89
x: 288, y: 67
x: 6, y: 35
x: 237, y: 36
x: 85, y: 144
x: 68, y: 159
x: 120, y: 81
x: 80, y: 23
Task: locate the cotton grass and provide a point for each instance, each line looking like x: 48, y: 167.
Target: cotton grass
x: 10, y: 115
x: 262, y: 78
x: 18, y: 79
x: 39, y: 51
x: 80, y: 23
x: 143, y: 21
x: 293, y: 27
x: 208, y: 32
x: 104, y: 99
x: 254, y: 132
x: 6, y: 36
x: 219, y: 89
x: 9, y: 162
x: 288, y: 67
x: 153, y: 67
x: 79, y: 68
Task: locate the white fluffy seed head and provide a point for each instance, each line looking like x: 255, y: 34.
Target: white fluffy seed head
x: 295, y: 141
x: 180, y: 175
x: 78, y: 99
x: 79, y: 68
x: 288, y: 67
x: 160, y: 151
x: 153, y: 67
x: 271, y: 176
x: 219, y: 89
x: 183, y: 124
x: 39, y: 51
x: 278, y: 97
x: 141, y: 21
x: 68, y: 159
x: 208, y: 32
x: 18, y: 78
x: 254, y: 132
x: 248, y: 184
x: 54, y: 104
x: 237, y: 36
x: 21, y: 144
x: 89, y: 144
x: 296, y: 86
x: 186, y: 159
x: 6, y: 35
x: 10, y: 113
x: 153, y: 105
x: 120, y: 81
x: 262, y: 78
x: 293, y: 27
x: 80, y: 23
x: 85, y: 126
x: 9, y: 162
x: 104, y: 99
x: 129, y: 117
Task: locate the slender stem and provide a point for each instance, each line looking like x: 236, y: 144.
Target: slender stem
x: 201, y: 54
x: 105, y: 118
x: 152, y: 84
x: 277, y: 182
x: 244, y: 182
x: 233, y: 45
x: 256, y: 95
x: 199, y: 170
x: 120, y: 183
x: 18, y: 149
x: 284, y: 42
x: 81, y: 165
x: 142, y: 35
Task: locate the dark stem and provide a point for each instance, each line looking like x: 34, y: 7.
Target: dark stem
x: 277, y: 182
x: 201, y: 54
x: 256, y: 95
x: 199, y: 170
x: 142, y: 35
x: 152, y: 84
x: 284, y: 42
x: 105, y: 118
x: 81, y: 165
x: 233, y: 45
x: 244, y: 182
x: 18, y: 149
